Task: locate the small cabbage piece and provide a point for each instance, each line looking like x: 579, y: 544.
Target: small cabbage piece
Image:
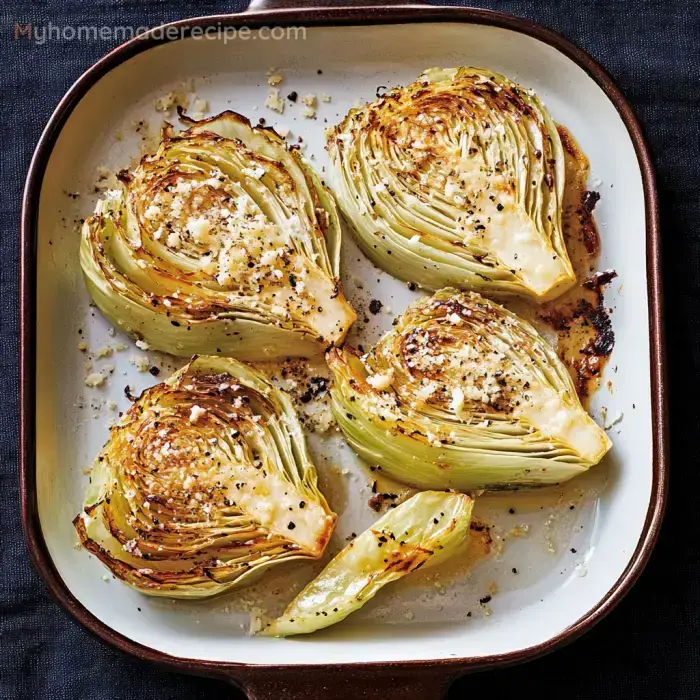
x: 457, y: 180
x: 425, y: 530
x: 204, y: 484
x: 222, y: 242
x: 463, y: 394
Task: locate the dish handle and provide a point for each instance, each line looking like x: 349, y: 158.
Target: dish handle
x: 263, y: 5
x: 327, y: 683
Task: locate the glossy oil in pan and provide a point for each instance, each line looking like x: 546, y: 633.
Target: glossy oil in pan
x: 373, y: 659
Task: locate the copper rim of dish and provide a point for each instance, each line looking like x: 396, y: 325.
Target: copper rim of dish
x: 278, y: 676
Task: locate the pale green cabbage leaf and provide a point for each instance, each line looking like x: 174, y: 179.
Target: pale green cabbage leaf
x: 464, y: 394
x: 424, y: 531
x: 457, y: 180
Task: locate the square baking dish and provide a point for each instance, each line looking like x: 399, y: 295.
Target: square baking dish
x: 348, y: 52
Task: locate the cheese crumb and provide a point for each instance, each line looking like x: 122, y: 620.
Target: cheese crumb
x: 279, y: 311
x: 172, y: 99
x: 152, y: 212
x: 199, y: 229
x: 274, y: 101
x: 196, y: 413
x: 200, y: 105
x: 380, y: 381
x: 141, y: 362
x: 256, y: 172
x: 426, y: 391
x: 257, y: 620
x: 173, y: 240
x: 95, y: 379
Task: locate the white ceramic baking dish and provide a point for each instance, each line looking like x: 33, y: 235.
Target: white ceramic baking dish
x: 347, y: 53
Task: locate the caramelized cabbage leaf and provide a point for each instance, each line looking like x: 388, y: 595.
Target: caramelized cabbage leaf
x: 225, y: 242
x: 204, y: 484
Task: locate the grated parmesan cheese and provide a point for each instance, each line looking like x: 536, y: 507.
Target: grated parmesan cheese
x: 381, y: 382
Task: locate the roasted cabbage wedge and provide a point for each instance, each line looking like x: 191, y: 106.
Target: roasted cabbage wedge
x: 457, y: 180
x: 463, y: 394
x: 222, y: 242
x: 204, y: 484
x: 425, y: 530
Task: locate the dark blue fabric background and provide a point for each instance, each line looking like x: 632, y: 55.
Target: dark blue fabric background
x: 649, y: 647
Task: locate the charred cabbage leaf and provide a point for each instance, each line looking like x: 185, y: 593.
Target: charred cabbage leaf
x: 425, y: 530
x: 457, y: 180
x: 204, y: 484
x: 464, y: 394
x: 222, y: 242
